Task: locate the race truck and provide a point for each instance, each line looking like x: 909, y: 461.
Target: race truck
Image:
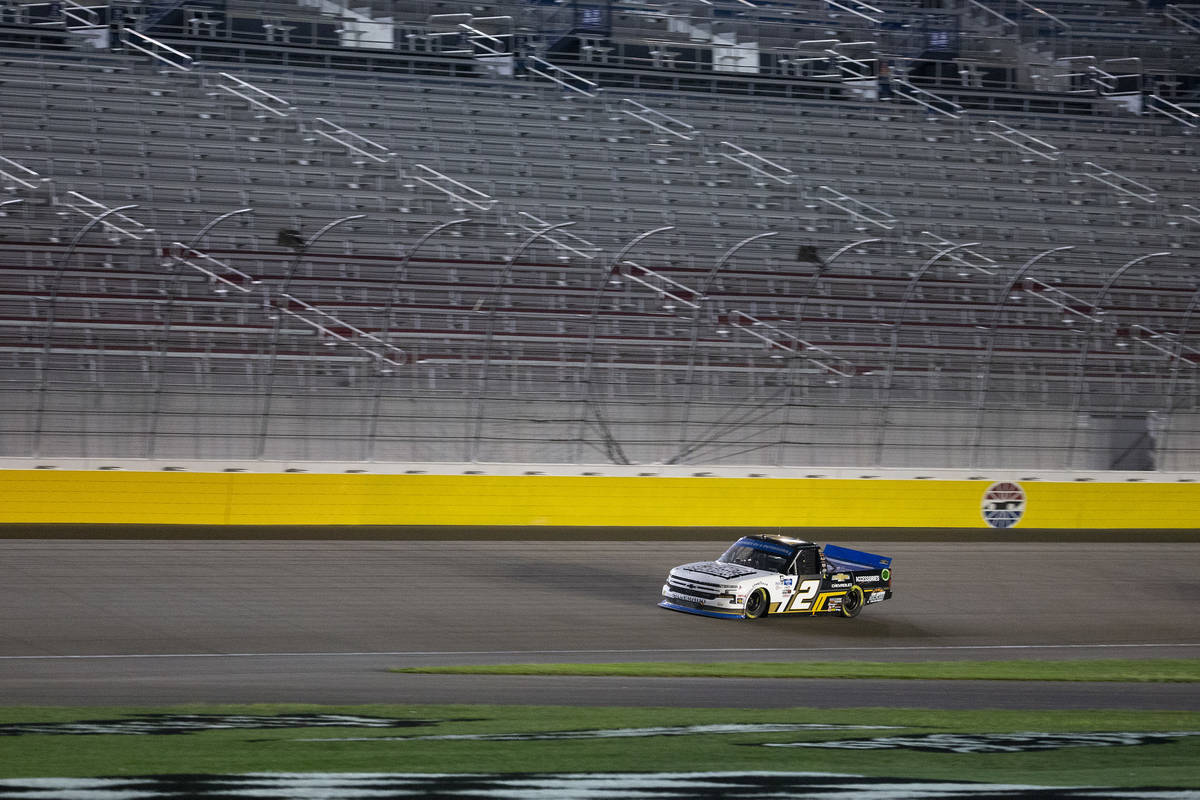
x: 772, y: 574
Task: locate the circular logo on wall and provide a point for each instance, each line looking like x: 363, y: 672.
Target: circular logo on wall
x: 1003, y: 504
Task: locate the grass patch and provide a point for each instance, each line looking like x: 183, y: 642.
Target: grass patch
x: 409, y: 749
x: 1162, y: 670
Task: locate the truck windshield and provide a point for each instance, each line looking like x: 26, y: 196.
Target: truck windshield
x: 748, y: 555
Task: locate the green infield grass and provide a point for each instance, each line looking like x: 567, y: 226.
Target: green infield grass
x: 436, y: 739
x: 1161, y: 670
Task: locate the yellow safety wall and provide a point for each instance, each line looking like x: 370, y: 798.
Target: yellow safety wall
x: 43, y: 496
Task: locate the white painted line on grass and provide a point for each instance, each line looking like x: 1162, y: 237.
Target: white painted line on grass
x: 419, y: 653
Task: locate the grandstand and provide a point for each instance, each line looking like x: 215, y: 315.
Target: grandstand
x: 789, y: 233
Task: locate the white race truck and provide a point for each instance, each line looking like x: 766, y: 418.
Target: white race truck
x: 771, y: 574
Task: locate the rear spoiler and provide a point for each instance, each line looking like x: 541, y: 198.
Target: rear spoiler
x: 844, y: 557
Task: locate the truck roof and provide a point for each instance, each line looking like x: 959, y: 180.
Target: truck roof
x: 780, y: 539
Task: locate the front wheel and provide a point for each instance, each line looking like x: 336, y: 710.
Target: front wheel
x: 852, y: 603
x: 756, y: 604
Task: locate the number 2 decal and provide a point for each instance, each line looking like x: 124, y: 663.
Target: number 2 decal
x: 805, y: 592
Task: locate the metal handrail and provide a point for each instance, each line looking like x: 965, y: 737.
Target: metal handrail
x: 358, y: 144
x: 1183, y: 15
x: 477, y: 34
x: 87, y: 17
x: 6, y: 175
x: 1018, y: 139
x: 1045, y: 14
x: 1089, y: 69
x: 940, y: 241
x: 1176, y: 112
x: 846, y: 203
x: 1115, y: 180
x: 568, y: 234
x: 331, y: 319
x: 912, y: 91
x: 250, y: 90
x: 994, y: 13
x: 857, y: 13
x: 545, y: 69
x: 782, y: 340
x: 469, y: 195
x: 752, y: 162
x: 186, y: 253
x: 644, y: 113
x: 1193, y: 215
x: 92, y: 206
x: 665, y: 287
x: 149, y: 46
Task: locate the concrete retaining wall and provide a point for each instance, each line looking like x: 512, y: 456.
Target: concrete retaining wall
x: 275, y: 494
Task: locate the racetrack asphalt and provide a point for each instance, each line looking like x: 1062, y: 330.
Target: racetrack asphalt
x: 151, y: 622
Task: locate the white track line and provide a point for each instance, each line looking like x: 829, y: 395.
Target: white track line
x: 417, y: 653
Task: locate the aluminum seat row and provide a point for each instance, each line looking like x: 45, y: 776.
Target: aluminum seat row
x: 451, y: 329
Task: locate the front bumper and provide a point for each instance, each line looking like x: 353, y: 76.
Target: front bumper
x: 722, y: 607
x: 701, y: 610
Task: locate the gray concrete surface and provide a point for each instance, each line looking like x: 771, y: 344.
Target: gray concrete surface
x: 97, y: 622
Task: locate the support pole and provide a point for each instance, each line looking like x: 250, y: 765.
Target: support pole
x: 838, y: 253
x: 694, y: 341
x: 1085, y: 350
x: 214, y: 223
x: 894, y: 345
x: 613, y: 447
x: 1177, y: 361
x: 268, y: 390
x: 792, y: 363
x: 986, y: 378
x: 400, y: 274
x: 164, y: 335
x: 51, y: 314
x: 724, y: 259
x: 302, y: 251
x: 477, y: 434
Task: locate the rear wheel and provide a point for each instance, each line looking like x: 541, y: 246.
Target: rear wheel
x: 852, y: 603
x: 756, y: 604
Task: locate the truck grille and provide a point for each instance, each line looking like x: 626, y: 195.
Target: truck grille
x: 704, y: 590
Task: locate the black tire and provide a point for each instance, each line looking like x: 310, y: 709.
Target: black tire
x: 757, y: 604
x: 852, y: 603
